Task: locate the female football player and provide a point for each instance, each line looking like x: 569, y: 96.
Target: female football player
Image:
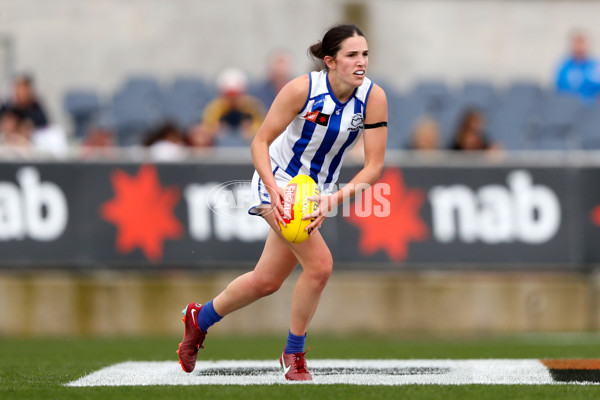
x: 312, y: 124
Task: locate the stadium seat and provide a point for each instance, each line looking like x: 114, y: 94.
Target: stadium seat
x: 186, y: 98
x: 525, y: 93
x: 587, y: 129
x: 479, y: 92
x: 403, y: 112
x: 556, y: 143
x: 433, y: 93
x: 509, y: 126
x: 261, y: 92
x: 141, y: 85
x: 512, y: 118
x: 555, y: 121
x: 136, y: 108
x: 82, y: 105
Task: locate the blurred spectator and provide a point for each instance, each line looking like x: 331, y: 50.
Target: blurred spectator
x: 198, y: 137
x: 278, y: 74
x: 43, y: 136
x: 98, y: 142
x: 24, y: 100
x: 579, y: 73
x: 470, y: 135
x: 234, y: 117
x: 51, y: 139
x: 15, y: 133
x: 166, y: 143
x: 425, y: 135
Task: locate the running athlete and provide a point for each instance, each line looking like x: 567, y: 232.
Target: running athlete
x: 312, y: 124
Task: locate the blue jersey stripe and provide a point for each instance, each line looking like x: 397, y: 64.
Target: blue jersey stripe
x: 335, y: 162
x: 338, y: 157
x: 307, y: 131
x: 333, y: 130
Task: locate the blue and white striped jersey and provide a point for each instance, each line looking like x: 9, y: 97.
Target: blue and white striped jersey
x: 317, y: 140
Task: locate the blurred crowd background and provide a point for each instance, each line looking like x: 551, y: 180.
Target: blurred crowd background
x: 85, y: 79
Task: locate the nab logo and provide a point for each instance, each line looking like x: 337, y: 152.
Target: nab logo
x: 220, y: 211
x: 33, y: 208
x: 493, y: 214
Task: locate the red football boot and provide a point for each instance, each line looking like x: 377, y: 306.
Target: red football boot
x: 193, y: 337
x: 294, y: 367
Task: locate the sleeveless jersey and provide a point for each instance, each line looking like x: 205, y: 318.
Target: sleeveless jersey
x: 317, y: 140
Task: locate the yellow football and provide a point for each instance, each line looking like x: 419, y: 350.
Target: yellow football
x: 296, y: 204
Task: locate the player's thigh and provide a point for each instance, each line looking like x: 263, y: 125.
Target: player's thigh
x: 277, y: 260
x: 314, y: 255
x: 311, y: 254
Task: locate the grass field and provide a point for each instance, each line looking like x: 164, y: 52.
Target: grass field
x: 38, y: 368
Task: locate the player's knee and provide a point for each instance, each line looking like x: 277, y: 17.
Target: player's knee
x: 265, y: 286
x: 321, y: 270
x: 269, y: 288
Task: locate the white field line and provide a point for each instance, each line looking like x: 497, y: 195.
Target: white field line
x: 325, y: 372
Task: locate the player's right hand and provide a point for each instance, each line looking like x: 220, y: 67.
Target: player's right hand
x: 277, y: 194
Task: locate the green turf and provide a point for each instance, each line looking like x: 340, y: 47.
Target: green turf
x: 38, y: 368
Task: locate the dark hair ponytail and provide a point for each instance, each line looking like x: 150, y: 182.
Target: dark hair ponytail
x: 331, y: 43
x: 316, y: 50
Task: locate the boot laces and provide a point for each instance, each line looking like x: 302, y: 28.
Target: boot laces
x: 300, y: 361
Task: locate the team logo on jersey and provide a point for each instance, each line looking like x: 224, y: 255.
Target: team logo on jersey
x: 317, y: 117
x: 357, y: 123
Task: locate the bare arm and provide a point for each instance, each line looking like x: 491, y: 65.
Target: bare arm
x: 284, y: 109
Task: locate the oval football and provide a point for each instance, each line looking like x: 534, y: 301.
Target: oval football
x: 296, y: 203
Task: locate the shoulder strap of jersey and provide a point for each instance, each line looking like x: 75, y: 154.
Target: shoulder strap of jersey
x: 362, y: 93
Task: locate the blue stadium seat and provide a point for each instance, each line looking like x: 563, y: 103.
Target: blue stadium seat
x: 525, y: 93
x: 403, y: 112
x: 587, y: 129
x: 479, y: 92
x: 137, y: 107
x: 263, y: 93
x: 508, y: 125
x: 556, y: 143
x: 82, y: 105
x: 555, y: 121
x: 433, y: 93
x: 185, y: 99
x: 141, y: 85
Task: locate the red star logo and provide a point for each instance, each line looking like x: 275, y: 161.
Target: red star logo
x: 143, y: 212
x: 392, y: 233
x: 322, y: 119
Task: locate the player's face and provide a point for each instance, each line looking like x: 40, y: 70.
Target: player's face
x: 352, y: 60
